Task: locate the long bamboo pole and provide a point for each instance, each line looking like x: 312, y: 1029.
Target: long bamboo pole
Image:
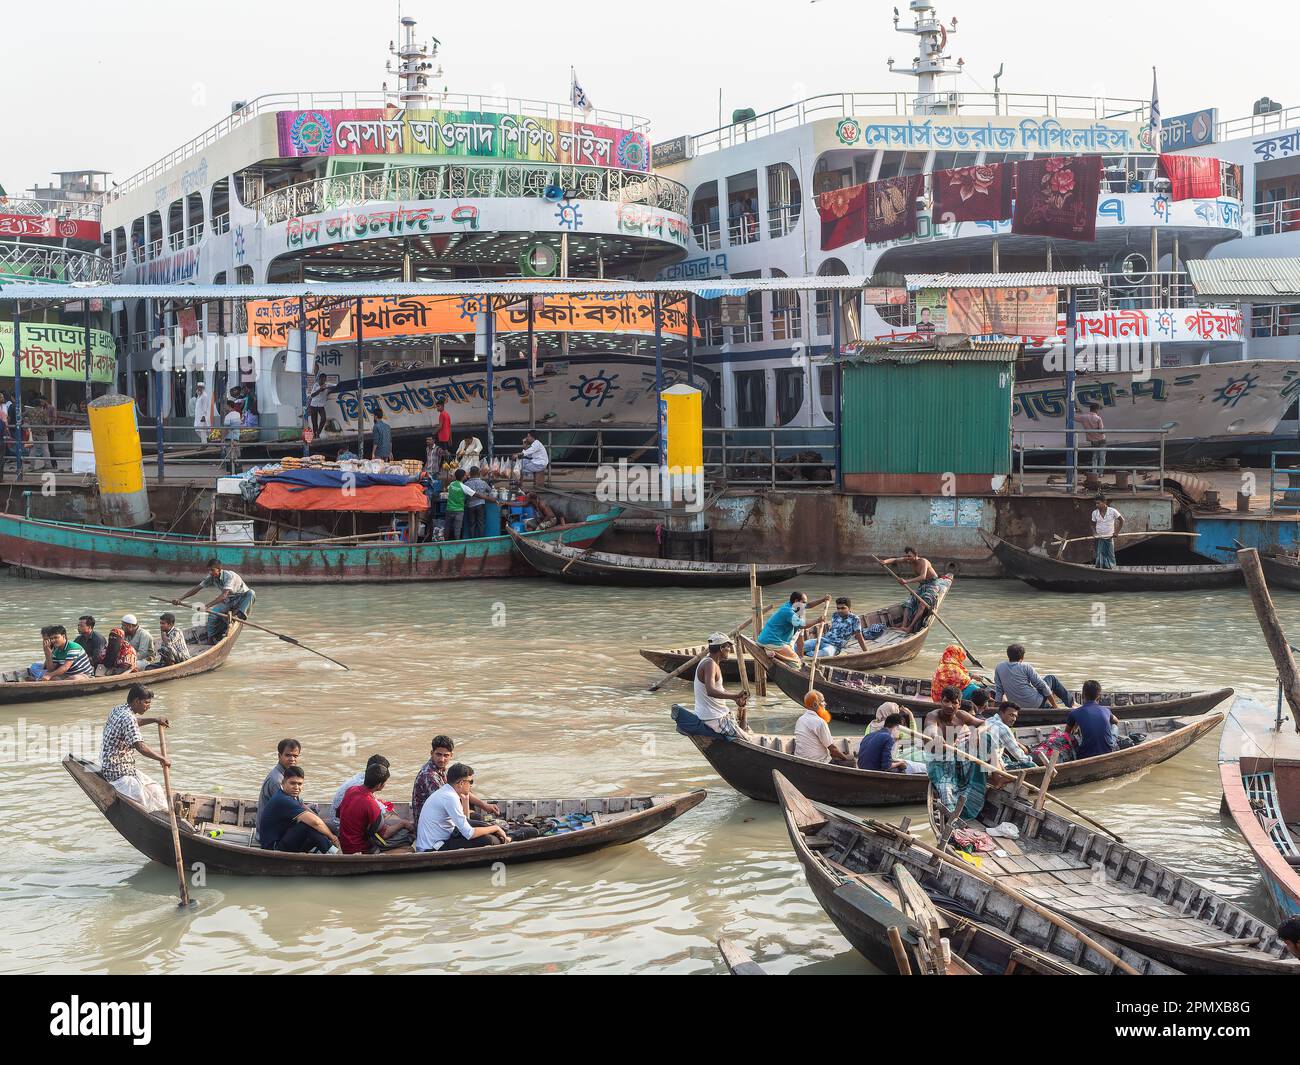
x: 176, y: 829
x: 1278, y: 645
x: 817, y: 650
x: 951, y: 632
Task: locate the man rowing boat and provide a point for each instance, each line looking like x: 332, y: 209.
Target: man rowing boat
x: 236, y: 598
x: 927, y: 587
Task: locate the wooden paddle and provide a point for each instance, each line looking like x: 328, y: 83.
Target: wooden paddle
x: 252, y: 625
x: 911, y: 591
x: 185, y: 902
x: 994, y: 769
x: 1061, y: 542
x: 817, y: 632
x: 756, y: 604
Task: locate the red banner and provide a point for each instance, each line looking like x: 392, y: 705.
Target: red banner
x: 31, y: 225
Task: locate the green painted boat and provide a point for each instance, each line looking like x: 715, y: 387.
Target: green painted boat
x: 95, y: 552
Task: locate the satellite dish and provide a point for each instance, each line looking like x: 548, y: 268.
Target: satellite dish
x: 553, y: 193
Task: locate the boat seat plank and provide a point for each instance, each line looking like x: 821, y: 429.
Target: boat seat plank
x: 1261, y: 789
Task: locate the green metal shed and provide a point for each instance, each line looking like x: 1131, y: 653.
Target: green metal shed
x: 932, y: 417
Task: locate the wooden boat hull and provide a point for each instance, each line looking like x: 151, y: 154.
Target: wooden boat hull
x: 1041, y: 571
x: 150, y: 834
x: 214, y: 656
x: 889, y: 654
x: 847, y: 702
x: 1127, y: 895
x: 1251, y: 745
x: 90, y: 552
x: 748, y: 766
x: 552, y: 559
x: 1004, y: 933
x: 1281, y: 571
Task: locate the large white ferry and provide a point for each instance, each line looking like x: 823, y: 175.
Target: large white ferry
x: 418, y: 184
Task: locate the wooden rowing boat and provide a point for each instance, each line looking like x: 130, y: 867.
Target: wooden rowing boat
x: 93, y: 552
x: 1040, y: 570
x: 849, y: 867
x: 204, y: 658
x: 746, y: 763
x: 891, y: 648
x: 617, y: 819
x: 552, y: 559
x: 1259, y: 766
x: 1281, y: 571
x: 854, y: 695
x: 1099, y: 884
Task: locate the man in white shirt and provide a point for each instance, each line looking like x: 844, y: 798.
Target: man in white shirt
x: 534, y: 459
x: 812, y: 735
x: 202, y: 413
x: 710, y: 696
x: 1106, y: 525
x: 443, y: 824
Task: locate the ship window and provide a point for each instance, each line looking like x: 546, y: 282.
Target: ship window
x: 783, y: 199
x: 789, y: 394
x: 742, y: 208
x: 825, y: 299
x: 826, y: 387
x: 953, y: 160
x: 913, y: 163
x: 751, y: 398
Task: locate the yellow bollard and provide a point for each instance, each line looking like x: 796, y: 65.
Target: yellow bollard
x: 119, y: 462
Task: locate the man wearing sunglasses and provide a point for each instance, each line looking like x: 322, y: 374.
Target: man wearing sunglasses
x: 443, y: 824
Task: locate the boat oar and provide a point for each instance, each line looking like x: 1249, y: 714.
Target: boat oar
x: 911, y: 591
x: 253, y: 625
x: 185, y: 902
x: 817, y: 650
x: 994, y: 769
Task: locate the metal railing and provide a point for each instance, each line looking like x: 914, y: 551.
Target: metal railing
x: 450, y: 180
x: 342, y: 99
x: 743, y: 230
x: 708, y: 235
x: 782, y: 220
x: 1049, y: 455
x: 1274, y: 320
x: 1277, y: 216
x: 194, y: 233
x: 787, y: 323
x: 41, y: 262
x: 1290, y: 492
x: 42, y: 206
x: 221, y: 223
x: 1273, y: 121
x: 904, y: 104
x: 749, y: 333
x: 772, y: 458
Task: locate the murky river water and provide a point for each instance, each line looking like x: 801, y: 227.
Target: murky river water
x: 552, y: 702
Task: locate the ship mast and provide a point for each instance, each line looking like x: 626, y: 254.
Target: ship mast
x: 414, y: 61
x: 931, y: 63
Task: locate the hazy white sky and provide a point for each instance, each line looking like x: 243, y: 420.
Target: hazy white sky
x: 117, y: 86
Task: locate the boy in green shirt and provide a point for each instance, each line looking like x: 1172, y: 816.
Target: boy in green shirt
x: 456, y: 495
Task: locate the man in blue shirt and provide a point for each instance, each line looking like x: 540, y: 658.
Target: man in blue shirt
x: 844, y: 626
x: 381, y: 438
x: 781, y: 627
x: 1093, y: 723
x: 876, y: 752
x: 285, y: 824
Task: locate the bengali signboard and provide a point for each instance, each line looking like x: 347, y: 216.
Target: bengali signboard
x: 1043, y: 136
x: 1006, y: 311
x: 31, y: 225
x: 58, y: 353
x: 1188, y: 131
x: 460, y: 134
x: 665, y: 153
x: 270, y: 321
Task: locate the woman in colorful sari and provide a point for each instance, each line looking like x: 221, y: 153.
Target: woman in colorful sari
x: 952, y: 673
x: 119, y: 655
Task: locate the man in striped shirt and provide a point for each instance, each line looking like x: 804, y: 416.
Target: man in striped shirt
x: 63, y: 657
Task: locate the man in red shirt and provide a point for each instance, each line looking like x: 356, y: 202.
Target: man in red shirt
x: 362, y: 825
x: 443, y: 437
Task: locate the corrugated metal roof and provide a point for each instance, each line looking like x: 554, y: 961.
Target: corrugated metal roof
x: 942, y: 349
x: 710, y: 288
x: 1245, y: 280
x: 1043, y: 279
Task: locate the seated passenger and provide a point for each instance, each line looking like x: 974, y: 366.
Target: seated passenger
x: 812, y: 734
x: 64, y: 658
x: 91, y: 641
x: 998, y: 727
x: 952, y: 672
x: 1091, y: 724
x: 119, y: 655
x: 443, y: 824
x: 781, y: 627
x: 1016, y: 681
x: 138, y: 637
x: 844, y: 626
x: 876, y: 751
x: 288, y: 751
x: 358, y: 779
x: 285, y: 824
x: 364, y: 827
x: 172, y: 647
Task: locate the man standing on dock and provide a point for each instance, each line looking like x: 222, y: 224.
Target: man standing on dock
x: 381, y: 439
x: 443, y: 437
x: 1093, y: 425
x: 236, y: 598
x: 1106, y: 525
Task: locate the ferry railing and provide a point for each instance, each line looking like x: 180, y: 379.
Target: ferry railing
x: 1269, y: 122
x: 1277, y: 216
x: 904, y: 105
x: 345, y: 100
x: 749, y: 333
x: 743, y: 230
x: 47, y: 207
x: 1274, y: 320
x: 1044, y: 458
x: 708, y: 235
x: 787, y: 323
x: 1289, y: 492
x: 221, y: 224
x: 194, y: 234
x: 782, y: 220
x: 42, y: 262
x: 455, y: 180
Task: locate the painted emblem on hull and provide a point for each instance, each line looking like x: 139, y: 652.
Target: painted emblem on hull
x: 594, y: 389
x: 1235, y: 389
x: 311, y: 133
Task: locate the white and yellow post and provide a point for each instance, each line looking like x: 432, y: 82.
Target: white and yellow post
x: 681, y: 477
x: 119, y: 462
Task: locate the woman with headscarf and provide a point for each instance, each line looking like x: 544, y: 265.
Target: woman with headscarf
x: 881, y: 754
x: 952, y: 673
x: 119, y: 655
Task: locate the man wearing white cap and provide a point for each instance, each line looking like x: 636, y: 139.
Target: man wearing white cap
x: 202, y: 412
x: 711, y: 697
x: 137, y: 637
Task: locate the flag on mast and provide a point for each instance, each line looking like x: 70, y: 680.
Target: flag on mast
x: 577, y: 95
x: 1156, y: 132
